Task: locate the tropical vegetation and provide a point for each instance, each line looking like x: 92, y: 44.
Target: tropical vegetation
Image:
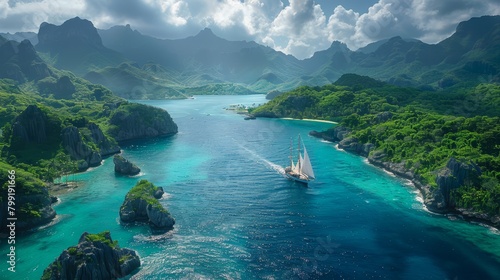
x: 424, y: 129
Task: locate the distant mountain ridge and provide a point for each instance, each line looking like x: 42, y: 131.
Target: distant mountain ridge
x: 205, y: 55
x: 20, y: 62
x: 20, y: 36
x: 76, y: 46
x: 163, y: 68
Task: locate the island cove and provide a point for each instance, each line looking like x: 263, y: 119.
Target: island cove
x: 452, y: 160
x: 433, y: 120
x: 222, y: 209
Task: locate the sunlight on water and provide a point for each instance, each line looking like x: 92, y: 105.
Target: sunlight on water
x: 237, y: 217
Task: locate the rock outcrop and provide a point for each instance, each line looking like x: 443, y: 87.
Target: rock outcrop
x: 335, y: 134
x: 79, y: 150
x: 436, y: 199
x: 33, y: 203
x: 96, y: 256
x: 64, y: 88
x: 141, y: 205
x: 125, y: 167
x: 80, y: 147
x: 453, y: 176
x: 20, y: 62
x: 31, y: 126
x: 42, y: 202
x: 352, y: 144
x: 76, y: 46
x: 136, y: 121
x: 106, y: 146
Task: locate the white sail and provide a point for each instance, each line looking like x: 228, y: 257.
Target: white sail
x: 302, y: 169
x: 295, y: 167
x: 306, y: 166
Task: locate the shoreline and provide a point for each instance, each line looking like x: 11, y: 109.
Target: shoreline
x: 309, y: 120
x: 424, y: 190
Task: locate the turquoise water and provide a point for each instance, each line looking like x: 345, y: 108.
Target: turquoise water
x: 237, y: 217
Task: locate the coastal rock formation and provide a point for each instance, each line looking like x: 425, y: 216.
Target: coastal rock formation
x: 73, y: 143
x: 141, y: 205
x: 453, y: 176
x: 351, y: 144
x: 341, y: 134
x: 136, y: 121
x: 96, y: 256
x: 31, y: 125
x: 79, y: 143
x: 437, y: 199
x: 125, y: 167
x: 106, y: 146
x: 33, y: 203
x: 43, y: 206
x: 336, y: 134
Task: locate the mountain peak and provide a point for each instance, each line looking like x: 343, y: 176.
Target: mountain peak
x: 339, y: 46
x: 73, y: 32
x: 206, y: 33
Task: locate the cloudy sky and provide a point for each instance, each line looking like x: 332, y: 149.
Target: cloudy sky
x: 297, y: 27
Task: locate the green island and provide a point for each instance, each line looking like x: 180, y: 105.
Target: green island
x: 53, y: 123
x: 427, y: 111
x: 420, y: 129
x: 95, y: 254
x: 141, y: 205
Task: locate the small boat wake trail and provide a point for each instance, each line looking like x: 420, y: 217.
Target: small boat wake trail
x: 278, y: 168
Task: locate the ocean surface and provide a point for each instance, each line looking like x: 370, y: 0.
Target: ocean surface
x: 237, y: 217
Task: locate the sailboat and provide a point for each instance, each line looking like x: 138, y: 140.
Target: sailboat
x: 301, y: 170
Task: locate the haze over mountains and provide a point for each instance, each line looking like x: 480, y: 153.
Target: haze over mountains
x: 138, y: 66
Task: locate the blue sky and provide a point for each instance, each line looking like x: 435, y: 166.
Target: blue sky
x: 297, y: 27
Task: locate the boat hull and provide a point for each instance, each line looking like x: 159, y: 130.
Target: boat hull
x: 296, y: 178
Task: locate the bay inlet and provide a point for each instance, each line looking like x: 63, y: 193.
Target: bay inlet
x: 238, y: 217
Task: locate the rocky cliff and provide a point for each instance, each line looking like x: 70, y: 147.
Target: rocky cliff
x: 436, y: 199
x: 106, y: 145
x: 75, y: 45
x: 450, y: 178
x: 135, y: 121
x: 141, y: 205
x: 20, y: 62
x: 96, y: 256
x: 125, y: 167
x: 33, y: 203
x: 31, y: 126
x: 80, y: 144
x: 79, y: 150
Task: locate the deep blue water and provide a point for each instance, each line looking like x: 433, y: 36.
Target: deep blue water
x: 237, y: 217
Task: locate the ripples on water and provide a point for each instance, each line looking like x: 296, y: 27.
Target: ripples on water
x: 237, y: 217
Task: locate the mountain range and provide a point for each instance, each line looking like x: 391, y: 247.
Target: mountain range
x: 138, y: 66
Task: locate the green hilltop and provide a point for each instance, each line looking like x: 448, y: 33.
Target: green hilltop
x: 53, y: 122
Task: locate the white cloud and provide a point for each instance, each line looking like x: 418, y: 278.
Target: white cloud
x: 342, y: 24
x: 303, y: 26
x: 299, y: 28
x: 428, y: 20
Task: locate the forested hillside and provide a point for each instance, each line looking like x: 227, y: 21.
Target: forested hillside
x: 419, y: 129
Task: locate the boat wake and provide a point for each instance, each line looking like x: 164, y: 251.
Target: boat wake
x: 276, y: 167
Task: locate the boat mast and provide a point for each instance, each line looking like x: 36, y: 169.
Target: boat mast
x: 298, y: 156
x: 291, y: 153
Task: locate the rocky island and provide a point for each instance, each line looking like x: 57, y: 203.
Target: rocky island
x: 141, y: 205
x: 125, y: 167
x: 96, y: 256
